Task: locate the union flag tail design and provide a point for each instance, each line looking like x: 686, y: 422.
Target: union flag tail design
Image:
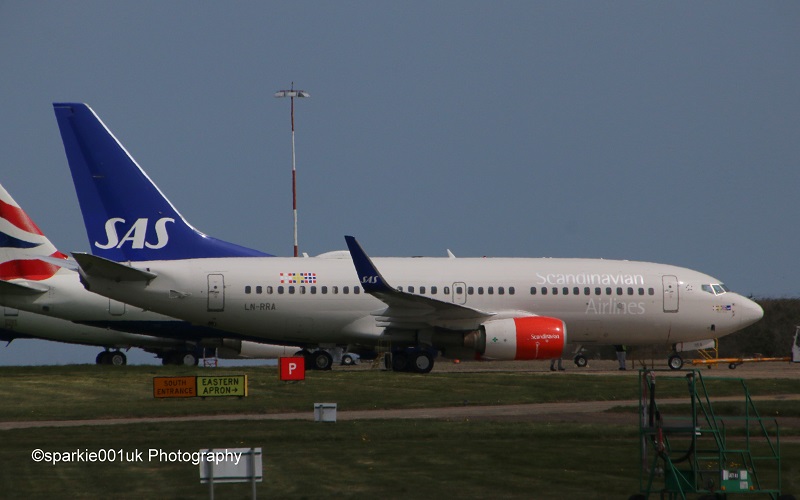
x: 21, y: 242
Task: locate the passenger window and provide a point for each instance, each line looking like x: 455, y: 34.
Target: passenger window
x: 459, y: 290
x: 280, y: 290
x: 565, y: 291
x: 641, y: 291
x: 335, y: 290
x: 433, y: 290
x: 619, y: 290
x: 597, y: 291
x: 608, y: 290
x: 651, y: 291
x: 313, y: 290
x: 501, y: 290
x: 511, y: 290
x: 544, y: 290
x: 302, y: 290
x: 291, y: 290
x: 587, y: 290
x: 422, y: 290
x: 270, y: 290
x: 447, y: 290
x: 630, y: 291
x: 324, y: 290
x: 533, y: 290
x: 480, y: 290
x: 411, y: 289
x: 490, y: 290
x: 576, y: 291
x: 259, y: 289
x: 356, y: 290
x: 470, y: 290
x: 555, y: 291
x: 345, y: 290
x: 247, y: 289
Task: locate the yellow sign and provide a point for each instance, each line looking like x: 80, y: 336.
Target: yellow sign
x: 222, y: 385
x: 174, y: 387
x: 200, y: 386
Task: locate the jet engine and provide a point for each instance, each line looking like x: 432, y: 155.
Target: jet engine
x: 529, y: 337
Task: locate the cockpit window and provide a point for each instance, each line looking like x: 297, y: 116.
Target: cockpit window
x: 715, y: 288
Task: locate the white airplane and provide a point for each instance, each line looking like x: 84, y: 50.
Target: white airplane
x: 37, y: 281
x: 19, y: 324
x: 145, y: 253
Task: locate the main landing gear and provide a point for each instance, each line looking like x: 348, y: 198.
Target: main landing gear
x: 180, y: 358
x: 413, y: 359
x: 316, y: 360
x: 116, y: 358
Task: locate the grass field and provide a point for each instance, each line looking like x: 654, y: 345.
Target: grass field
x: 302, y: 459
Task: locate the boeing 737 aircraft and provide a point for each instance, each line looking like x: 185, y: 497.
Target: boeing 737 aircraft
x: 37, y: 278
x: 144, y: 253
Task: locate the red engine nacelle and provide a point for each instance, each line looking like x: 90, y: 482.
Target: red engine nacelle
x: 529, y: 337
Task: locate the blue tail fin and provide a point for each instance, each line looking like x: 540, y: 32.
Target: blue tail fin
x: 127, y: 217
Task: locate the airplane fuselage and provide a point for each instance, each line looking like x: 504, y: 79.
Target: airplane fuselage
x: 320, y: 300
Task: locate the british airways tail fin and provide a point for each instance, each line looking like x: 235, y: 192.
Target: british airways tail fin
x: 22, y: 245
x: 127, y: 217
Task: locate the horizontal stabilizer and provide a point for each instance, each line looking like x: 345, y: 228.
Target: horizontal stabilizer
x: 98, y: 267
x: 61, y: 262
x: 18, y: 289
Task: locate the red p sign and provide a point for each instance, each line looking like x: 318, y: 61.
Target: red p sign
x: 293, y: 368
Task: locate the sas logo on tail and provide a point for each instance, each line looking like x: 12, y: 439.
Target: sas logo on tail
x: 136, y: 234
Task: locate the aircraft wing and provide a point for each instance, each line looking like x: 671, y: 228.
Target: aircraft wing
x: 99, y: 267
x: 407, y: 310
x: 18, y: 289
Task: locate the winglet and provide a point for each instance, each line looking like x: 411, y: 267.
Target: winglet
x: 368, y: 275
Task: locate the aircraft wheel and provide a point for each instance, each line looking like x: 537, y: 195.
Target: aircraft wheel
x: 732, y: 366
x: 117, y: 358
x: 101, y: 358
x: 422, y: 362
x: 581, y: 361
x: 187, y: 359
x: 675, y: 362
x: 399, y: 361
x: 347, y: 360
x: 321, y: 360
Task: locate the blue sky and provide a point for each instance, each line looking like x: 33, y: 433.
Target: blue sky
x: 659, y: 131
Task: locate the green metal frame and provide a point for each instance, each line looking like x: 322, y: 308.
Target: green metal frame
x: 694, y: 450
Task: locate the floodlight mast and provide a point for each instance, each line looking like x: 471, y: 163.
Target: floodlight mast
x: 291, y: 94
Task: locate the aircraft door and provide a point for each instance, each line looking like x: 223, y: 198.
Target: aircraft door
x: 459, y: 293
x: 116, y: 308
x: 671, y: 296
x: 216, y: 292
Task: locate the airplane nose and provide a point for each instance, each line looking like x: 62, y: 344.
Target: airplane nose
x: 749, y: 312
